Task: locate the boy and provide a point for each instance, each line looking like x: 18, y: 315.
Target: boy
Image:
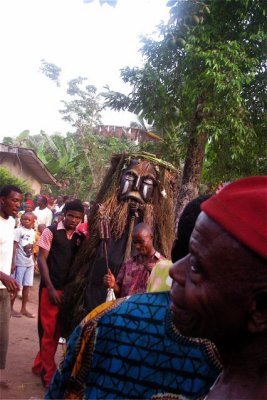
x: 58, y: 247
x: 35, y: 248
x: 24, y: 237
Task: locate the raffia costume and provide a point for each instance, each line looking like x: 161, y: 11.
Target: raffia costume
x: 137, y: 188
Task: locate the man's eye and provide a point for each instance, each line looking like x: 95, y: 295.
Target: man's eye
x: 194, y: 269
x: 194, y: 265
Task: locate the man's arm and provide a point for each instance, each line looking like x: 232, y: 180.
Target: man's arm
x: 10, y: 283
x: 44, y: 271
x: 110, y: 282
x: 13, y: 264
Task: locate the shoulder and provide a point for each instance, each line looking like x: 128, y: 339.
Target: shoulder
x: 159, y: 256
x: 130, y: 306
x: 163, y: 263
x: 47, y: 236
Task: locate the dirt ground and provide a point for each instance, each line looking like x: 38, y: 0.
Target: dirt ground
x: 23, y: 346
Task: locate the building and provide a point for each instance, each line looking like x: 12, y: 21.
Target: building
x: 24, y: 164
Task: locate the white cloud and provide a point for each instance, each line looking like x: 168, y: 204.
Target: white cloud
x: 83, y: 39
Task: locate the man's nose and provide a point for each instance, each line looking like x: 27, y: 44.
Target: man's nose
x: 178, y: 271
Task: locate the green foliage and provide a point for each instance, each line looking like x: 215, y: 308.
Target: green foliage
x: 52, y: 71
x: 206, y: 74
x: 6, y: 178
x: 78, y: 160
x: 84, y: 110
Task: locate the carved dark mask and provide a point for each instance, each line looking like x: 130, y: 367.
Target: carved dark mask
x: 138, y: 182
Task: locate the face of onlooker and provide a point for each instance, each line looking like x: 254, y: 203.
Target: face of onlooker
x: 143, y: 242
x: 59, y: 200
x: 208, y: 285
x: 10, y: 204
x: 41, y: 228
x: 27, y: 220
x: 72, y: 219
x: 41, y: 202
x: 28, y: 207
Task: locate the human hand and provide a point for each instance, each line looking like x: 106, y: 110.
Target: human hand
x: 10, y: 283
x: 109, y: 280
x: 54, y: 297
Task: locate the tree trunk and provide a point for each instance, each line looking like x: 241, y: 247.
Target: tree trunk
x: 191, y: 173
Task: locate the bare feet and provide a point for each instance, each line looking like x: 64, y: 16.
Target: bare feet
x: 27, y: 314
x: 15, y: 314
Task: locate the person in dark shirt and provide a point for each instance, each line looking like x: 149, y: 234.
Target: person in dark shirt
x: 58, y: 246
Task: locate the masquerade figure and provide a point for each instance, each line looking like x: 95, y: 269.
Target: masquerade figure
x: 137, y: 188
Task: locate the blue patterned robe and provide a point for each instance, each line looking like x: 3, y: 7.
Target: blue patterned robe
x: 131, y: 350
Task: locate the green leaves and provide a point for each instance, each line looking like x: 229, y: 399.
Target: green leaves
x: 6, y: 178
x: 205, y: 74
x: 52, y: 71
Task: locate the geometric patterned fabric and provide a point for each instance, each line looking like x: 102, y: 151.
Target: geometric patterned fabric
x: 133, y: 351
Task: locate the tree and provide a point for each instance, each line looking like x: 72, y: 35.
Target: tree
x: 52, y: 71
x: 6, y: 178
x: 66, y: 158
x: 202, y: 85
x: 84, y: 110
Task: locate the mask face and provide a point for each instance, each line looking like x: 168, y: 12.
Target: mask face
x: 138, y: 182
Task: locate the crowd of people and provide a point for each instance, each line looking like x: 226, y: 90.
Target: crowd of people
x: 191, y: 326
x: 25, y: 225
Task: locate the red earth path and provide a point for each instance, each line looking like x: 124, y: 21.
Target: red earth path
x: 23, y: 346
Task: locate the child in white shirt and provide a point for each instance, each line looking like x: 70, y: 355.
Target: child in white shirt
x: 24, y: 237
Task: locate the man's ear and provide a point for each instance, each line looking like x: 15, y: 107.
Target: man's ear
x: 258, y: 316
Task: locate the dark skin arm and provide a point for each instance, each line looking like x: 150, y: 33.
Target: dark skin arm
x: 10, y: 283
x: 110, y: 282
x: 54, y: 297
x: 13, y: 265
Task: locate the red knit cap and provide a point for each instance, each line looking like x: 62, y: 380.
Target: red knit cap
x: 241, y: 209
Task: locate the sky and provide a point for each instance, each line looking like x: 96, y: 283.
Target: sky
x: 83, y: 39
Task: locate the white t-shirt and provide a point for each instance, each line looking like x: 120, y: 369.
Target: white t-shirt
x: 6, y: 245
x: 58, y: 208
x: 25, y: 239
x: 44, y: 216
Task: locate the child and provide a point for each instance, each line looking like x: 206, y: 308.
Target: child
x: 23, y: 242
x: 35, y: 248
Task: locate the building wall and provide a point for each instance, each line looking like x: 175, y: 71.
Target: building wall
x: 134, y: 134
x: 21, y: 171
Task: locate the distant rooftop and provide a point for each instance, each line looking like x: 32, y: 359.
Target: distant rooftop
x: 30, y: 159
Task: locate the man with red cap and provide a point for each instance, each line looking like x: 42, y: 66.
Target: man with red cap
x: 220, y: 287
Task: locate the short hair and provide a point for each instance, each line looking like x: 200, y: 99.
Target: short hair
x: 74, y: 205
x: 7, y: 189
x: 186, y: 225
x: 143, y: 227
x: 43, y: 198
x: 29, y: 213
